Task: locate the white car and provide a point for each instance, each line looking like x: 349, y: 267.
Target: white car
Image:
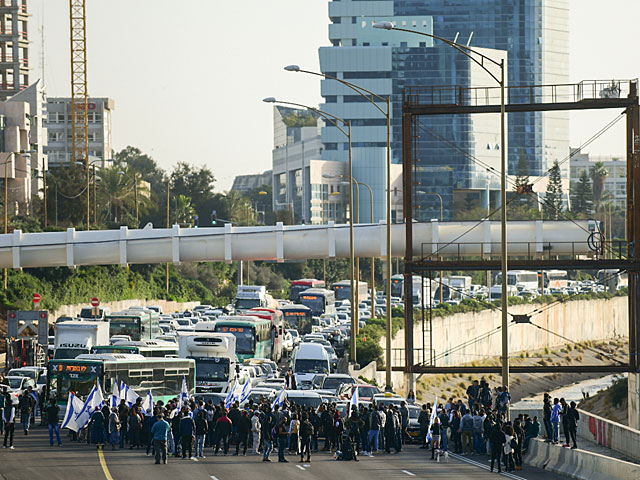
x: 288, y: 342
x: 17, y: 385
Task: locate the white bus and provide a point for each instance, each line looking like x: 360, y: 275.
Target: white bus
x: 148, y: 348
x: 522, y: 280
x: 215, y: 357
x: 557, y: 279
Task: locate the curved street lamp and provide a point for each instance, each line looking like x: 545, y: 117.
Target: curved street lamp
x: 480, y: 59
x: 335, y: 121
x: 371, y: 97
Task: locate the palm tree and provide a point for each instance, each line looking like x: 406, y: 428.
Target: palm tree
x: 236, y: 206
x: 184, y: 211
x: 598, y: 175
x: 115, y: 191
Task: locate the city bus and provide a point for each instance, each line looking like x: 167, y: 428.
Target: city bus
x: 612, y: 279
x: 397, y: 286
x: 342, y: 290
x: 556, y: 279
x: 215, y: 357
x: 160, y: 376
x: 523, y: 280
x: 277, y: 328
x: 319, y: 300
x: 298, y: 317
x: 298, y: 286
x: 138, y: 325
x: 253, y: 335
x: 146, y: 348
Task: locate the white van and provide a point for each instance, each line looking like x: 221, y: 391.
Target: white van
x: 307, y: 361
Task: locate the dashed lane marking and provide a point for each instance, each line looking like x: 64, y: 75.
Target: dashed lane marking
x: 409, y: 473
x: 103, y: 464
x: 213, y: 477
x: 300, y: 467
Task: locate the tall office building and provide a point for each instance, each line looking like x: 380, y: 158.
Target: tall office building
x: 532, y: 35
x: 14, y: 47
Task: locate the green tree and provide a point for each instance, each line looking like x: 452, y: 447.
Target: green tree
x: 184, y: 213
x: 552, y: 207
x: 582, y: 196
x: 66, y: 195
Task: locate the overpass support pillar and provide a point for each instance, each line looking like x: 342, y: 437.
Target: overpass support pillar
x: 634, y: 400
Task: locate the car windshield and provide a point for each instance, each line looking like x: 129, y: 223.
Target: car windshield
x: 15, y: 383
x: 304, y: 365
x: 23, y: 373
x: 311, y: 401
x: 334, y: 383
x: 367, y: 392
x: 211, y: 368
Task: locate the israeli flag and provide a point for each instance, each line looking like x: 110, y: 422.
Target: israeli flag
x: 432, y: 418
x: 74, y: 407
x: 355, y: 398
x: 94, y: 400
x: 184, y: 394
x: 127, y: 394
x: 280, y: 398
x: 245, y: 392
x: 115, y: 395
x: 148, y: 404
x: 231, y: 396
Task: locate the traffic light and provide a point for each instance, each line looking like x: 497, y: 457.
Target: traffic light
x: 214, y: 216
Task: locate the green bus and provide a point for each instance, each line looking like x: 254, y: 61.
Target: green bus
x: 161, y: 376
x: 146, y: 348
x: 138, y: 325
x: 253, y: 335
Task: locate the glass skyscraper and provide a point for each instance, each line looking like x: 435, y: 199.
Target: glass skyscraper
x: 451, y: 152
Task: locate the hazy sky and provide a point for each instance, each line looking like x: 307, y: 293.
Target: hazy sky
x: 188, y: 76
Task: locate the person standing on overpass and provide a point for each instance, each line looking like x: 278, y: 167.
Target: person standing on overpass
x: 572, y: 423
x: 160, y: 432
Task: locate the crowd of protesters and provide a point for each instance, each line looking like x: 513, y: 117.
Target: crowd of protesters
x: 477, y: 426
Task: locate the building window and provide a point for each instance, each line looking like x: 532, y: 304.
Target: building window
x: 331, y: 99
x: 331, y: 146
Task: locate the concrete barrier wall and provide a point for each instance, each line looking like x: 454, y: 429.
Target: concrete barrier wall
x: 578, y: 320
x: 615, y: 436
x: 579, y: 464
x: 167, y: 307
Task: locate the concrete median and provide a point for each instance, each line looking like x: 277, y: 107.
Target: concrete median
x: 578, y: 463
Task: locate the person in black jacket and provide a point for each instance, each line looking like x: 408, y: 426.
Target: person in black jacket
x: 53, y: 420
x: 306, y: 432
x: 201, y: 431
x: 244, y: 427
x: 572, y: 423
x: 498, y: 439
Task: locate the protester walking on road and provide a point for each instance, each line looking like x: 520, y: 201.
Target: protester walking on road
x: 201, y: 431
x: 282, y: 440
x: 26, y: 404
x: 306, y: 432
x: 223, y: 432
x: 498, y: 439
x: 255, y: 430
x: 187, y: 431
x: 114, y: 427
x: 160, y: 432
x: 53, y: 421
x: 9, y: 419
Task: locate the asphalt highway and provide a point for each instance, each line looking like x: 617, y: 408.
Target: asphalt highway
x: 34, y: 459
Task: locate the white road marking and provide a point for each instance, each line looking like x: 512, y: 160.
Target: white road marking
x: 306, y: 465
x: 486, y: 467
x: 300, y: 467
x: 409, y: 473
x: 213, y: 477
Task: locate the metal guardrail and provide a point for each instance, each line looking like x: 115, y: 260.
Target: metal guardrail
x: 516, y: 94
x: 616, y: 249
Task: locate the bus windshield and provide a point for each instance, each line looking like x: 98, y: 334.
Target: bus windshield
x: 305, y: 365
x: 125, y: 326
x: 245, y: 337
x: 247, y: 303
x: 68, y: 353
x: 298, y: 319
x: 314, y: 302
x: 208, y: 368
x: 396, y: 287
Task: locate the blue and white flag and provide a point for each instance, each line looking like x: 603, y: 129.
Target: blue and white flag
x: 127, y: 394
x: 432, y: 418
x: 115, y: 395
x: 245, y: 392
x: 354, y: 397
x: 74, y: 407
x: 147, y: 404
x: 184, y: 394
x: 280, y: 398
x: 231, y: 396
x: 94, y: 401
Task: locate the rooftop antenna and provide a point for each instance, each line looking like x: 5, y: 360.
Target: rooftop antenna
x: 469, y: 41
x: 455, y: 40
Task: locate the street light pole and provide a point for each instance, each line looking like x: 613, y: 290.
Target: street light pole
x: 334, y: 120
x: 371, y: 98
x: 469, y: 52
x: 168, y: 226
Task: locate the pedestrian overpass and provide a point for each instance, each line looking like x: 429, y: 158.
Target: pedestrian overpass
x: 473, y: 239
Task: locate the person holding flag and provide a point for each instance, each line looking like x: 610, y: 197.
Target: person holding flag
x: 245, y: 392
x: 184, y: 394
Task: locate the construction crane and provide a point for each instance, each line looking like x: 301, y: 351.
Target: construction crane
x: 79, y: 93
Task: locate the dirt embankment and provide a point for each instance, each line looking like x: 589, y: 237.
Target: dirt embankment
x: 528, y: 384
